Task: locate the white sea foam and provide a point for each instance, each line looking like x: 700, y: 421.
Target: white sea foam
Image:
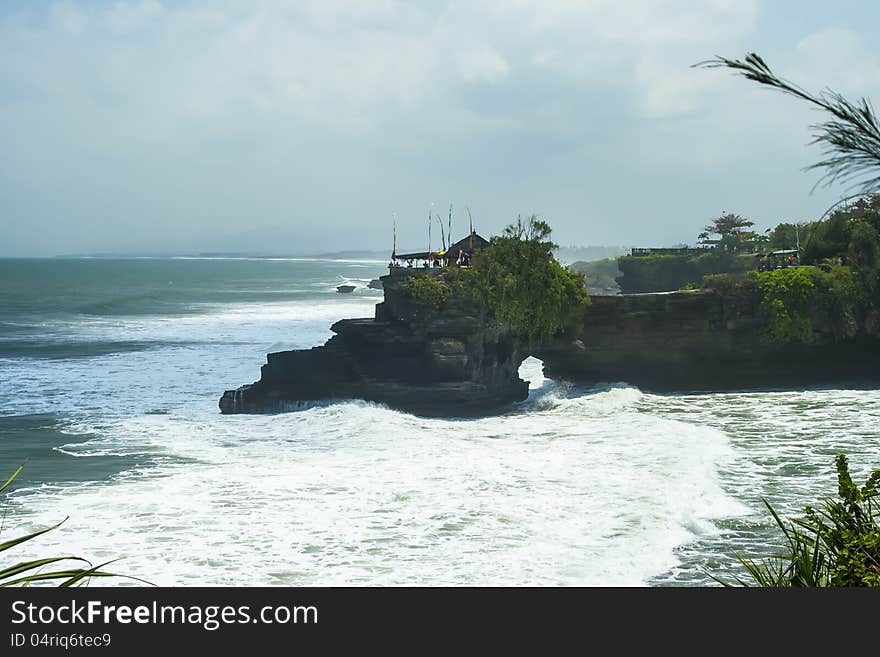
x: 356, y: 493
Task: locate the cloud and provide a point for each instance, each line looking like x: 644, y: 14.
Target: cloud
x: 646, y: 22
x: 840, y: 58
x: 482, y: 64
x: 336, y: 64
x: 190, y: 117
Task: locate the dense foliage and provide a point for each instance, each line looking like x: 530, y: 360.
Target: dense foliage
x: 518, y: 280
x: 662, y: 273
x: 791, y: 298
x: 847, y: 234
x: 786, y: 299
x: 527, y: 288
x: 836, y: 544
x: 786, y: 236
x: 429, y: 289
x: 837, y: 283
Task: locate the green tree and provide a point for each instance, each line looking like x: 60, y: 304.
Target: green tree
x: 524, y: 285
x: 530, y: 230
x: 868, y: 209
x: 828, y: 239
x: 863, y: 251
x: 518, y: 280
x: 732, y: 233
x: 787, y: 236
x: 786, y: 297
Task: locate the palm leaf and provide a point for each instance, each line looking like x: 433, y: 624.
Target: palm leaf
x: 24, y: 566
x: 12, y: 478
x: 21, y: 573
x: 850, y: 139
x: 21, y: 539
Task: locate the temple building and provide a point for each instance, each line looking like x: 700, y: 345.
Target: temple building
x: 457, y: 254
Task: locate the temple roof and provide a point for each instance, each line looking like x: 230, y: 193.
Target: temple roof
x: 464, y: 244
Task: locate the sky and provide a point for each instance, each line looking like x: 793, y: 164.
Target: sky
x: 300, y: 126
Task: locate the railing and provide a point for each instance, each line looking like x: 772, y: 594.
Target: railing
x: 675, y: 250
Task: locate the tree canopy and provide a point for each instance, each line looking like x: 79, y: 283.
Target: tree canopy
x: 731, y: 231
x: 530, y: 230
x: 524, y: 285
x: 518, y: 279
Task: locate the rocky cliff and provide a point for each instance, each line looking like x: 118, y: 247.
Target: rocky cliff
x: 460, y: 361
x: 705, y: 339
x: 411, y: 356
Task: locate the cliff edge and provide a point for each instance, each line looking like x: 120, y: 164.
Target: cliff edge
x: 708, y: 339
x: 456, y: 361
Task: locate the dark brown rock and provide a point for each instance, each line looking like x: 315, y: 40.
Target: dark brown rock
x: 701, y: 340
x: 458, y: 361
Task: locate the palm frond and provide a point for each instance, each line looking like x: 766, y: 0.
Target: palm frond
x: 26, y: 572
x: 850, y: 139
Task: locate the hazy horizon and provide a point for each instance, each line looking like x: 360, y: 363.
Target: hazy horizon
x: 299, y: 127
x: 567, y: 252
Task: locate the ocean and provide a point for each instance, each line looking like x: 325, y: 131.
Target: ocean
x: 110, y: 374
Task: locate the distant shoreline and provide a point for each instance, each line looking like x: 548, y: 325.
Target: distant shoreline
x: 344, y: 255
x: 565, y: 254
x: 232, y: 255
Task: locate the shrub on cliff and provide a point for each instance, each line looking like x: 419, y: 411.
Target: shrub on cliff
x: 517, y: 279
x: 836, y: 544
x: 790, y: 298
x: 786, y: 299
x: 839, y: 297
x: 524, y: 286
x: 730, y: 285
x: 429, y: 289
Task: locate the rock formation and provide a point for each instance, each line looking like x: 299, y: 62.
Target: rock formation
x: 411, y: 356
x: 704, y: 340
x: 459, y: 361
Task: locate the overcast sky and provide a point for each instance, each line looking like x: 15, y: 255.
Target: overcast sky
x: 299, y: 126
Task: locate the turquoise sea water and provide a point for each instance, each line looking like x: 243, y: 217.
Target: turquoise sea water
x: 110, y: 372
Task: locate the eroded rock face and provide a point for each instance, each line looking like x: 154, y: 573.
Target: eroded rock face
x: 704, y: 340
x: 410, y: 356
x: 461, y: 362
